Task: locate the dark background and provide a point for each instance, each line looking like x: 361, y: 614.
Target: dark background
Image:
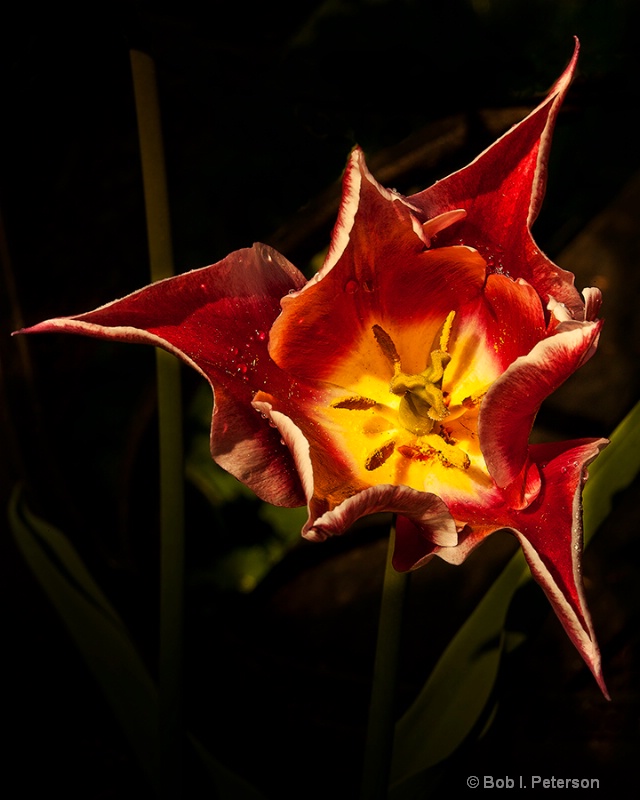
x: 261, y: 105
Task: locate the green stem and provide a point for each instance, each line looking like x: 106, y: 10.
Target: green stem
x: 379, y: 743
x: 170, y: 732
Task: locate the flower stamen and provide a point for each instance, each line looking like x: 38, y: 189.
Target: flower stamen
x: 434, y: 446
x: 355, y: 403
x: 423, y: 403
x: 379, y: 456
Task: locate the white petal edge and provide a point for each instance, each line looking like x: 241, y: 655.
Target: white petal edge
x: 583, y: 638
x: 423, y: 509
x: 495, y: 423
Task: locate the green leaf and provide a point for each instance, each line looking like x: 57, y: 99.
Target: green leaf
x: 613, y: 470
x: 95, y: 627
x: 462, y: 681
x: 459, y: 686
x: 104, y: 643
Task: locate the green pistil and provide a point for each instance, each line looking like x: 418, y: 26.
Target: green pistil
x: 423, y: 402
x: 421, y: 406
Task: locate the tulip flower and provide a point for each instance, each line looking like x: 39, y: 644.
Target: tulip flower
x: 406, y: 375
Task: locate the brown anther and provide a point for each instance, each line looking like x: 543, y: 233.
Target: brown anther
x: 355, y: 403
x: 379, y: 456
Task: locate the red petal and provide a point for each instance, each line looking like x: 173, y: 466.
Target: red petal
x: 379, y: 272
x: 510, y: 406
x: 502, y: 191
x: 425, y: 510
x: 550, y: 533
x: 413, y: 549
x: 216, y: 319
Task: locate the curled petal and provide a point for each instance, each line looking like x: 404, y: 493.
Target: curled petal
x: 433, y: 226
x: 592, y: 303
x: 426, y: 511
x: 293, y: 438
x: 413, y: 550
x: 511, y: 404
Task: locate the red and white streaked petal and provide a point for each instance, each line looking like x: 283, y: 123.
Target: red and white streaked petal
x: 427, y: 511
x: 436, y: 224
x: 216, y: 319
x: 351, y: 183
x: 503, y: 323
x: 355, y: 178
x: 511, y: 404
x: 394, y: 282
x: 292, y: 438
x: 592, y: 303
x: 412, y: 550
x: 502, y: 191
x: 556, y: 95
x: 550, y: 533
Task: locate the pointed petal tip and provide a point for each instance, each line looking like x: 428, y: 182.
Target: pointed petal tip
x: 567, y: 76
x: 27, y: 329
x: 593, y: 661
x: 46, y: 326
x: 603, y: 687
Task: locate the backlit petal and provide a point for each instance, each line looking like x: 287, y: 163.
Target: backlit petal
x: 501, y: 191
x: 550, y: 533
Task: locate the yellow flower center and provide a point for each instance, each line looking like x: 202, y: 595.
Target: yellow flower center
x: 409, y: 417
x: 422, y: 401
